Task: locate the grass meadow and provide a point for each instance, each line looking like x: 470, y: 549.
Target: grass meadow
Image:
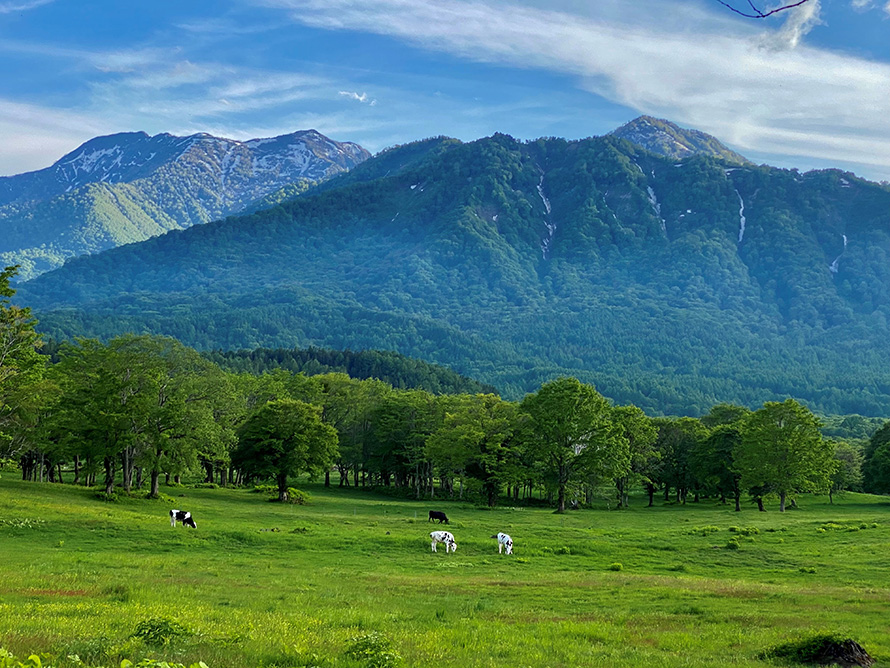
x: 265, y: 584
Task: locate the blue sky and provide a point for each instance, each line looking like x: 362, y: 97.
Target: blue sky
x: 807, y: 88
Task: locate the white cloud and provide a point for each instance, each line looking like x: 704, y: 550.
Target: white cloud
x: 35, y: 137
x: 363, y: 97
x: 799, y: 21
x: 22, y: 6
x: 670, y: 60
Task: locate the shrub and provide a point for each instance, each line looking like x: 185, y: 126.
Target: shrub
x: 616, y: 567
x: 703, y: 531
x: 563, y: 550
x: 297, y: 497
x: 205, y: 485
x: 733, y: 543
x: 374, y: 650
x: 817, y: 648
x: 159, y: 631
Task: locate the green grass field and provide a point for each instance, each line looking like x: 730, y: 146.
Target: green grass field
x: 661, y: 586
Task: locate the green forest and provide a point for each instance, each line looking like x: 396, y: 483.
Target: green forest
x: 515, y: 263
x: 136, y: 409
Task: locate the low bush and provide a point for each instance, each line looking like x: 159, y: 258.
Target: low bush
x: 374, y: 650
x: 159, y: 631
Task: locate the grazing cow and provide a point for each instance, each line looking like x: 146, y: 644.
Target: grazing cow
x: 183, y: 516
x: 437, y: 515
x: 504, y: 541
x: 443, y: 537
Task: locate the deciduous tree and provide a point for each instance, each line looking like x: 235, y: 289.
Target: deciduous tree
x: 571, y: 434
x: 782, y: 451
x: 285, y: 438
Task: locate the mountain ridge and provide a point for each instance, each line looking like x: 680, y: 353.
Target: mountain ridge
x: 126, y: 187
x: 673, y: 286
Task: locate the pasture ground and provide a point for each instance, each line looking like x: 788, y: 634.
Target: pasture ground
x: 264, y: 584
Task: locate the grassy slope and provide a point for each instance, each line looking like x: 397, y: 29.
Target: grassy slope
x: 81, y: 580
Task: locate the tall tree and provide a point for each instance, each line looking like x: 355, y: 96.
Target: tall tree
x: 848, y: 474
x: 571, y: 433
x: 640, y: 434
x: 21, y: 366
x: 876, y: 468
x: 712, y: 460
x: 285, y: 438
x: 479, y: 436
x: 782, y: 450
x: 677, y: 440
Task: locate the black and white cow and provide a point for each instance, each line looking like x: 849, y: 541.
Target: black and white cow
x: 504, y: 541
x: 438, y: 515
x: 443, y: 537
x: 183, y: 516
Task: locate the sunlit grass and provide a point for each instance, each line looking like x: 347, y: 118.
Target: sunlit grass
x: 264, y: 584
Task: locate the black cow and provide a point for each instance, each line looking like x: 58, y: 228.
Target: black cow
x: 183, y: 516
x: 436, y: 515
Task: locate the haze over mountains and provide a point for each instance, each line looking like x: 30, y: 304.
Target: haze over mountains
x: 669, y: 283
x: 131, y: 186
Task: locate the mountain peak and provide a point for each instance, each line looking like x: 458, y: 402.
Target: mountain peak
x: 137, y: 185
x: 669, y: 139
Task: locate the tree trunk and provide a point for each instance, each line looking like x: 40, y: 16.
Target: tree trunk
x: 738, y: 501
x: 282, y: 487
x: 139, y: 479
x: 781, y: 502
x: 155, y: 484
x: 223, y: 476
x: 76, y: 469
x: 125, y: 469
x: 650, y: 488
x: 561, y: 499
x: 760, y: 504
x: 327, y: 478
x: 109, y: 475
x: 830, y: 496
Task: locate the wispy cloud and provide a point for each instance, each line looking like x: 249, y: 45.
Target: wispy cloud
x: 363, y: 97
x: 799, y: 21
x: 35, y: 136
x: 22, y: 5
x: 694, y: 67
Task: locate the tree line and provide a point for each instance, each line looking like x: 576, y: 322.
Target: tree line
x: 137, y: 409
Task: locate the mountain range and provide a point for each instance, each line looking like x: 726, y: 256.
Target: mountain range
x: 672, y: 284
x: 131, y: 186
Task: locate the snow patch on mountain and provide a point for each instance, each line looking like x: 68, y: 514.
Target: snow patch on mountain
x: 741, y: 216
x: 833, y: 267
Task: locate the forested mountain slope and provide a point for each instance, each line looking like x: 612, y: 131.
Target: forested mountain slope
x: 128, y: 187
x: 670, y: 284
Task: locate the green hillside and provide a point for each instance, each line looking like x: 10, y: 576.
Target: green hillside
x: 672, y: 286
